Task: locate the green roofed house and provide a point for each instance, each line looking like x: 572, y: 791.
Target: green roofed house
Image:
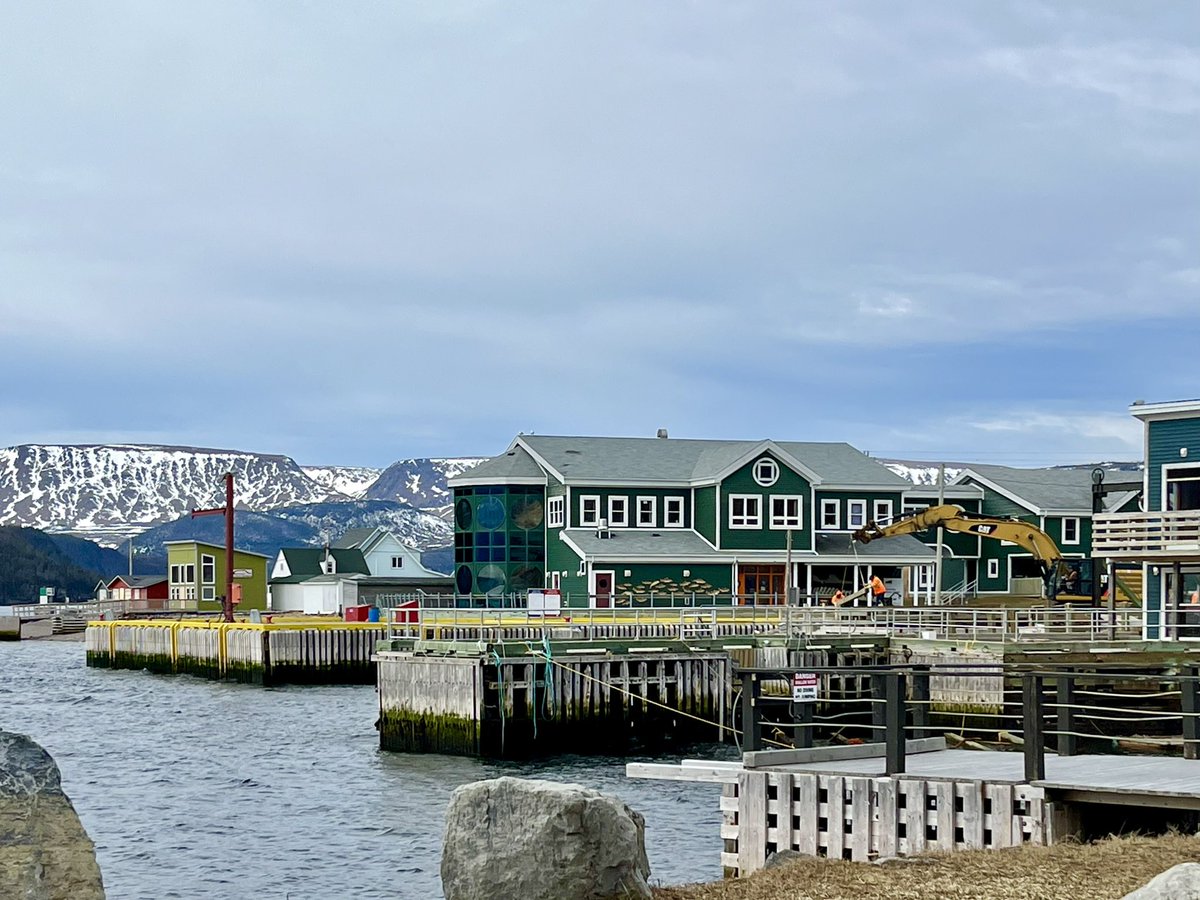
x: 647, y: 521
x: 316, y: 580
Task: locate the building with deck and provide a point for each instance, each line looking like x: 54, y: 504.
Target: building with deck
x: 1164, y: 537
x: 643, y: 521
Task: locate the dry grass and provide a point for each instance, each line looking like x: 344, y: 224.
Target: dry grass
x: 1100, y: 871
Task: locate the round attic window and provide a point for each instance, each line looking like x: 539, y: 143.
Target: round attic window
x: 766, y: 472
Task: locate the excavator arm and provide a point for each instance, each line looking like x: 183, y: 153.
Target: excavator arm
x: 955, y: 518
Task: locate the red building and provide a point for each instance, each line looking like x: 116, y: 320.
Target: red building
x: 142, y: 591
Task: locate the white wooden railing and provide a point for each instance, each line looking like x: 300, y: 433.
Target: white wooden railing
x: 1153, y: 535
x: 109, y: 609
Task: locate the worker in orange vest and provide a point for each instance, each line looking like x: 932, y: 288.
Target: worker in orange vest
x: 878, y: 589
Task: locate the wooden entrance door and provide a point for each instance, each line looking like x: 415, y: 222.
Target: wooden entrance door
x: 761, y: 584
x: 604, y: 585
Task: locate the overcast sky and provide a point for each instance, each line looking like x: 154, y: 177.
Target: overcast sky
x: 356, y: 232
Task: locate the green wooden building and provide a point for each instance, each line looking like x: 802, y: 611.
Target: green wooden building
x: 649, y: 521
x: 196, y: 576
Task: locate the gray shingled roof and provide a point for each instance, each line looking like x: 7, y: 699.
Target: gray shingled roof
x: 672, y: 460
x: 645, y: 542
x: 902, y: 547
x: 140, y: 581
x: 515, y: 463
x: 353, y: 538
x: 1043, y: 489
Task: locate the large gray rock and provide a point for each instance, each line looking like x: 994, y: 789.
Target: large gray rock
x: 1179, y: 883
x: 44, y: 852
x: 537, y: 840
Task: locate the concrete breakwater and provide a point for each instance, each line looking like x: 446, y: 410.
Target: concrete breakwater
x: 288, y: 652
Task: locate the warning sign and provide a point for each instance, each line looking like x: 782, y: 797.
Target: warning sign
x: 804, y: 687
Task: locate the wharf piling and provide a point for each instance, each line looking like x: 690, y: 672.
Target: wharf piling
x: 542, y: 703
x: 267, y: 654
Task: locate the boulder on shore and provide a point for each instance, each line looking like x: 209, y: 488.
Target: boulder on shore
x: 45, y: 854
x: 1181, y: 882
x: 539, y: 840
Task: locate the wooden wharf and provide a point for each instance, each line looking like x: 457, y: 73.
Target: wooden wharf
x: 279, y: 652
x: 910, y: 794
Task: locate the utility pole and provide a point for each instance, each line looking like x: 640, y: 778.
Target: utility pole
x: 937, y: 568
x: 788, y: 591
x: 227, y: 512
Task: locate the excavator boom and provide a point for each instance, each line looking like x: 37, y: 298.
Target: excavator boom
x: 955, y: 518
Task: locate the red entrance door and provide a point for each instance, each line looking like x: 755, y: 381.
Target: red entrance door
x: 604, y: 584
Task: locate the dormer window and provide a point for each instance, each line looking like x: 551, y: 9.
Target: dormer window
x: 766, y: 471
x: 329, y: 567
x: 397, y: 562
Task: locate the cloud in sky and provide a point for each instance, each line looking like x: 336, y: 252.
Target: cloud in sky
x: 353, y: 234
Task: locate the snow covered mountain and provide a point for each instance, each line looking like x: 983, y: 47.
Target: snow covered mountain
x: 921, y: 472
x: 349, y: 481
x: 108, y: 492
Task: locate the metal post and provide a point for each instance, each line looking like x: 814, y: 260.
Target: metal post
x: 920, y: 699
x: 751, y: 723
x: 1112, y: 600
x: 878, y: 707
x: 1064, y: 720
x: 802, y: 715
x: 937, y: 570
x: 894, y: 709
x: 1035, y: 753
x: 1190, y: 707
x: 229, y: 547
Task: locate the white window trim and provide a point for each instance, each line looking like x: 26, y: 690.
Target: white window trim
x: 213, y: 560
x: 208, y: 592
x: 993, y: 568
x: 623, y: 520
x: 668, y: 502
x: 836, y: 506
x: 883, y: 504
x: 782, y: 523
x: 1075, y: 519
x: 765, y: 482
x: 584, y: 521
x: 397, y: 562
x: 555, y: 509
x: 653, y: 521
x: 747, y: 523
x: 850, y: 507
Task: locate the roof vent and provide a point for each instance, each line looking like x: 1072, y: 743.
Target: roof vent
x: 602, y: 531
x: 662, y: 433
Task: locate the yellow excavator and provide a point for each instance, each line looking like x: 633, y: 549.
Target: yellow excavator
x: 954, y: 518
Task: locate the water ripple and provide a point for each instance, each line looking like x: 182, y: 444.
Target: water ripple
x: 192, y: 789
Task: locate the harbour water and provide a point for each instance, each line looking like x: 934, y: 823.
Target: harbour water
x: 192, y: 789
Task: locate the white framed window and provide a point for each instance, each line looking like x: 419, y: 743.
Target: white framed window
x: 618, y: 512
x: 189, y: 592
x: 397, y: 562
x: 831, y: 515
x: 766, y: 471
x: 745, y: 511
x: 787, y: 511
x: 189, y: 576
x: 555, y: 581
x: 856, y: 513
x: 176, y: 575
x: 554, y: 512
x: 883, y: 511
x: 1070, y: 530
x: 208, y: 568
x: 673, y: 512
x: 208, y: 593
x: 993, y: 568
x: 589, y: 510
x: 647, y: 512
x: 911, y: 509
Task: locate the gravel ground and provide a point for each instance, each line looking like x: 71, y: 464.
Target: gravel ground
x: 1106, y: 870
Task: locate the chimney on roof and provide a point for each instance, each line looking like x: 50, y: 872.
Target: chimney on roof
x: 662, y: 433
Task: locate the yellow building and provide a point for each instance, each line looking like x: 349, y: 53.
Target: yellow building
x: 196, y: 573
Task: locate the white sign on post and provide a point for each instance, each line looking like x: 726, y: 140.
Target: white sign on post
x: 804, y: 687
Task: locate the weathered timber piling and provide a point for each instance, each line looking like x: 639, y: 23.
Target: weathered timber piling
x: 253, y: 653
x: 537, y: 704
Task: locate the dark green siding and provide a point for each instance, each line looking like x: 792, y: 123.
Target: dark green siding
x: 1166, y: 440
x: 844, y: 497
x: 706, y: 513
x: 663, y: 581
x: 631, y: 496
x: 742, y: 481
